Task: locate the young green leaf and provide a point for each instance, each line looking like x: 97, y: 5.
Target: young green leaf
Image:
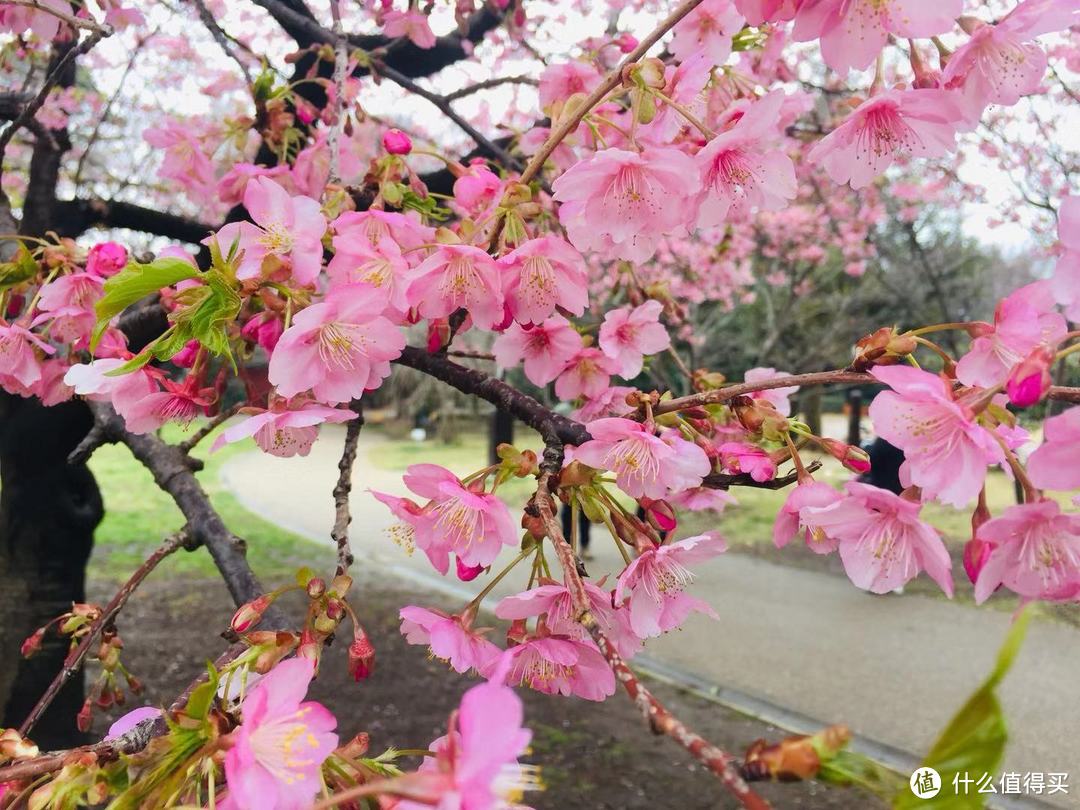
x: 134, y: 282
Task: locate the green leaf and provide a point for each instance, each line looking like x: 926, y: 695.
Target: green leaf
x: 22, y: 269
x: 973, y: 742
x: 202, y: 696
x: 134, y: 282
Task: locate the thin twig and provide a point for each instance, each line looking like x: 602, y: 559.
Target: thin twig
x: 189, y: 443
x: 440, y: 102
x: 724, y: 394
x: 221, y: 38
x: 569, y: 123
x: 30, y: 110
x: 470, y: 355
x: 90, y: 442
x: 76, y: 657
x: 342, y: 516
x: 86, y: 24
x: 662, y: 721
x: 487, y: 84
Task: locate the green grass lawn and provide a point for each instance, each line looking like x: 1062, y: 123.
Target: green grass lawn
x: 138, y: 516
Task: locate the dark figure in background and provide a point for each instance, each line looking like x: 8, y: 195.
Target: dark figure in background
x: 885, y: 461
x: 583, y: 529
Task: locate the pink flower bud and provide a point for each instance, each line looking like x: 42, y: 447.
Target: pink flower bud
x: 82, y: 719
x: 396, y: 142
x: 467, y: 574
x: 626, y: 42
x: 316, y: 587
x: 1030, y: 378
x: 250, y: 614
x: 853, y: 458
x: 361, y: 656
x: 185, y: 358
x: 659, y: 514
x: 976, y: 553
x: 32, y: 643
x: 106, y: 259
x: 264, y: 329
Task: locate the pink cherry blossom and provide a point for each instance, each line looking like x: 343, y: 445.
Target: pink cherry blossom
x: 547, y: 348
x: 700, y: 499
x: 777, y: 397
x: 92, y: 380
x: 68, y: 302
x: 264, y: 329
x: 288, y: 229
x: 234, y: 182
x: 1034, y: 552
x: 561, y: 80
x: 620, y: 203
x: 628, y: 335
x: 1022, y: 320
x: 543, y: 274
x: 51, y: 388
x: 759, y: 11
x: 587, y: 374
x: 472, y: 524
x: 883, y: 543
x: 610, y: 402
x: 18, y: 359
x: 475, y: 765
x: 683, y: 84
x: 457, y: 276
x: 106, y: 259
x: 477, y: 189
x: 275, y: 761
x: 707, y: 29
x: 1000, y: 63
x: 358, y: 260
x: 1053, y: 464
x: 947, y: 452
x: 449, y: 637
x: 644, y: 464
x: 178, y: 402
x: 283, y: 431
x: 853, y: 32
x: 374, y: 226
x: 888, y: 126
x: 556, y: 603
x: 742, y: 457
x: 185, y: 159
x: 741, y: 170
x: 337, y: 349
x: 792, y: 516
x: 412, y: 24
x: 652, y: 585
x: 561, y: 665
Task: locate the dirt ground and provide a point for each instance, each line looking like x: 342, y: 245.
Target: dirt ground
x: 595, y: 756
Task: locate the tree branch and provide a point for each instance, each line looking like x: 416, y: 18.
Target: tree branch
x: 544, y: 421
x: 76, y: 657
x: 730, y: 392
x: 73, y: 217
x: 342, y: 517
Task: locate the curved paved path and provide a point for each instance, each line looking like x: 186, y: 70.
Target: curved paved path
x: 894, y: 669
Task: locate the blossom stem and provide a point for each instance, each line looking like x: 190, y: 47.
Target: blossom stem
x: 936, y: 349
x: 1066, y: 352
x: 685, y: 113
x: 937, y: 327
x: 474, y: 605
x: 1031, y: 494
x: 569, y: 123
x: 800, y: 470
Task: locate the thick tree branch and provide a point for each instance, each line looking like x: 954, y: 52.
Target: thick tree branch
x: 73, y: 217
x: 543, y: 420
x: 169, y: 466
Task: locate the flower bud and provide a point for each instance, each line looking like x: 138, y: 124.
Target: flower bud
x: 324, y: 625
x: 361, y: 656
x: 82, y: 719
x: 356, y: 747
x: 659, y: 514
x: 396, y: 142
x: 1029, y: 381
x: 853, y: 458
x: 335, y: 608
x: 250, y: 614
x: 310, y: 647
x: 882, y: 348
x: 467, y: 573
x: 976, y: 553
x: 32, y: 644
x: 316, y: 587
x: 14, y: 746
